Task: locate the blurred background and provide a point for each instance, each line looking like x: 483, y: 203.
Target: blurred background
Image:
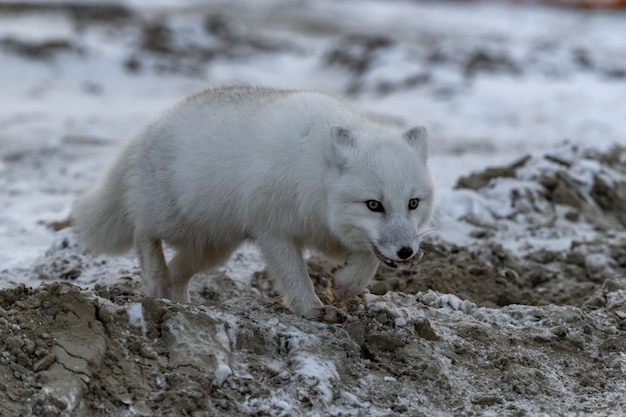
x: 523, y: 278
x: 491, y: 80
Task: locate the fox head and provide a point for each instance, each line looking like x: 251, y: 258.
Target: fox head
x: 380, y: 192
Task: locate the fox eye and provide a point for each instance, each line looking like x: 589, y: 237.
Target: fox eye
x: 374, y: 205
x: 413, y: 203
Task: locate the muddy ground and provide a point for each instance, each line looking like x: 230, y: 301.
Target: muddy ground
x: 111, y: 351
x: 475, y: 330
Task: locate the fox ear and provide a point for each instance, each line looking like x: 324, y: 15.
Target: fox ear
x: 417, y: 137
x: 342, y: 142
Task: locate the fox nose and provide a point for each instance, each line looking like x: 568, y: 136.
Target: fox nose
x: 405, y: 252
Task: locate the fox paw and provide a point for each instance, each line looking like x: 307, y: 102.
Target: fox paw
x: 328, y: 314
x: 343, y: 292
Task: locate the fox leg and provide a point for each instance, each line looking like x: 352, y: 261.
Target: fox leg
x: 186, y: 263
x: 351, y: 279
x: 285, y: 262
x: 154, y: 272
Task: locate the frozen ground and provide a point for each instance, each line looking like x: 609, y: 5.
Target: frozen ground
x: 518, y: 309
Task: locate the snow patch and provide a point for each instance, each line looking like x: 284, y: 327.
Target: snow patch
x: 135, y: 316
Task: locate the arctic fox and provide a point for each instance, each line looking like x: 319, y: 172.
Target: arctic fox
x: 286, y: 169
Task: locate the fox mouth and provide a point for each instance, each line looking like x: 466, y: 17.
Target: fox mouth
x: 393, y: 264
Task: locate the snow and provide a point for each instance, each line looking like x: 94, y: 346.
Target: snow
x: 318, y: 374
x: 222, y: 373
x: 135, y: 316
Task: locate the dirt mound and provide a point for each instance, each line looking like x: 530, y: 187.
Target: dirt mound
x: 573, y: 182
x: 491, y: 276
x: 70, y: 351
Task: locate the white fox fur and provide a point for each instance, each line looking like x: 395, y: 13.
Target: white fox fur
x: 288, y: 170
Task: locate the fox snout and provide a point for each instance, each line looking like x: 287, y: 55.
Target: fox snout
x: 405, y: 252
x: 398, y: 240
x: 397, y: 244
x: 405, y: 257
